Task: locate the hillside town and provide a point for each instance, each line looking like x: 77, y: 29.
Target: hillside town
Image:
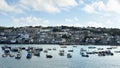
x: 60, y: 35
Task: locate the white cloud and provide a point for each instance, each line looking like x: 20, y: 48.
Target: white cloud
x: 89, y: 9
x: 5, y: 8
x: 100, y: 6
x: 94, y: 7
x: 113, y: 5
x: 30, y: 20
x: 51, y: 6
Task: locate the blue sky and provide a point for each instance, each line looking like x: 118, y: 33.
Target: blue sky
x: 80, y: 13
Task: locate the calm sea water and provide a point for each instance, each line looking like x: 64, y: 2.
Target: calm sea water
x: 93, y: 61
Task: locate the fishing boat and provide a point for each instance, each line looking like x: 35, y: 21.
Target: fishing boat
x: 4, y: 55
x: 7, y: 51
x: 29, y: 55
x: 83, y: 54
x: 69, y: 55
x: 45, y: 51
x: 18, y: 56
x: 70, y: 50
x: 15, y: 49
x: 36, y: 53
x: 105, y: 53
x: 82, y: 50
x: 100, y: 48
x: 54, y: 48
x: 63, y: 46
x: 91, y: 47
x: 61, y: 50
x: 117, y: 51
x: 74, y: 46
x: 61, y: 53
x: 48, y: 56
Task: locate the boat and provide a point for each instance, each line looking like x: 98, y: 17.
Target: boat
x: 109, y: 48
x: 54, y: 48
x: 90, y: 53
x: 70, y: 50
x: 82, y: 50
x: 100, y: 48
x: 105, y: 53
x: 45, y: 51
x: 114, y: 47
x: 109, y: 53
x: 117, y: 51
x: 4, y: 55
x: 15, y: 49
x: 91, y: 47
x: 22, y: 48
x: 7, y: 51
x: 18, y: 56
x: 63, y: 46
x: 48, y: 56
x: 61, y: 50
x: 69, y: 55
x: 29, y: 55
x: 61, y: 54
x: 5, y: 47
x: 49, y: 49
x: 74, y: 46
x: 101, y: 54
x: 36, y: 53
x: 83, y: 54
x: 38, y: 49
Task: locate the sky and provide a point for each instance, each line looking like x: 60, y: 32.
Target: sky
x: 78, y: 13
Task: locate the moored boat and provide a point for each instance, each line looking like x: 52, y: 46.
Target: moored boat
x: 29, y: 55
x: 4, y: 55
x: 48, y: 56
x: 18, y: 56
x: 69, y: 55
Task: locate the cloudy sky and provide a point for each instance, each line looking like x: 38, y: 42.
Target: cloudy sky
x: 96, y: 13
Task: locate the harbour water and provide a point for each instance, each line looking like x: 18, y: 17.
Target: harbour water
x: 57, y: 61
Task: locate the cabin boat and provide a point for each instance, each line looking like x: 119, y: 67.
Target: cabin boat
x: 70, y: 50
x: 29, y: 55
x: 36, y: 53
x: 69, y: 55
x: 48, y: 56
x: 83, y: 54
x: 100, y: 48
x: 74, y: 46
x: 7, y: 51
x: 61, y: 50
x: 4, y: 55
x: 105, y: 53
x: 15, y: 49
x: 45, y: 51
x: 54, y: 48
x: 18, y: 56
x: 61, y: 53
x: 91, y: 47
